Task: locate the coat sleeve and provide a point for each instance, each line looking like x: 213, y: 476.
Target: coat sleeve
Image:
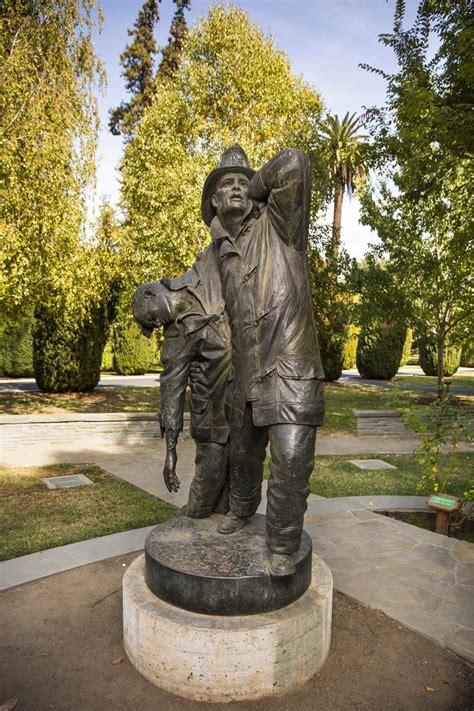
x: 176, y: 356
x: 284, y: 183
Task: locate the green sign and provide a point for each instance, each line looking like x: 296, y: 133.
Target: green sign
x: 444, y: 502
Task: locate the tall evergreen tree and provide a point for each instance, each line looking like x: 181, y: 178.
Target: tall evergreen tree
x: 170, y: 61
x: 138, y: 69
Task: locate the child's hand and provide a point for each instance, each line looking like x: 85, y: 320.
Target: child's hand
x: 169, y: 472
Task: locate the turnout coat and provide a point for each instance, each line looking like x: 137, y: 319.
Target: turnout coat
x: 265, y: 286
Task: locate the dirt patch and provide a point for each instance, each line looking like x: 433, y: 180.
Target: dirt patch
x: 61, y: 636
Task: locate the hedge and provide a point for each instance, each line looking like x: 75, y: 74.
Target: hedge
x: 133, y: 353
x: 429, y: 357
x: 68, y: 359
x: 379, y: 350
x: 16, y: 346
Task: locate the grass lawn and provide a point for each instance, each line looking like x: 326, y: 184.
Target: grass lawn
x: 110, y: 399
x: 35, y: 518
x: 457, y: 381
x: 335, y: 476
x: 341, y: 400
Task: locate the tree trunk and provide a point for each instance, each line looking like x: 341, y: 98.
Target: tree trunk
x: 441, y: 346
x: 336, y: 223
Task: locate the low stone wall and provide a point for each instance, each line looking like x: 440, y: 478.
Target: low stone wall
x: 96, y: 428
x: 380, y: 422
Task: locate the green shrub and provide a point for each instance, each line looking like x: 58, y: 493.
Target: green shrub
x: 406, y: 352
x: 16, y: 346
x: 133, y: 353
x: 429, y: 358
x: 67, y: 359
x: 379, y: 350
x: 107, y: 357
x: 331, y: 346
x: 467, y: 355
x: 349, y: 353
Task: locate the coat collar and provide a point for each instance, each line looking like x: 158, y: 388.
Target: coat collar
x: 218, y: 231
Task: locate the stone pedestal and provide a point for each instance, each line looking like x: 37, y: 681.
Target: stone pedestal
x: 218, y: 658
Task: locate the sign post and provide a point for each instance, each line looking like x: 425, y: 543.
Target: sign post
x: 444, y: 505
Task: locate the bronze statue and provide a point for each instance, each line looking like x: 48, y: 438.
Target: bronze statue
x: 196, y: 329
x: 259, y: 227
x: 257, y: 265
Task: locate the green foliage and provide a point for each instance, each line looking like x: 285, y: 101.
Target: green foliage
x: 379, y: 350
x: 467, y: 355
x: 171, y: 54
x: 332, y: 301
x: 107, y: 357
x: 406, y: 352
x: 345, y: 154
x: 429, y: 358
x: 350, y: 347
x: 72, y: 322
x: 232, y: 85
x: 422, y: 211
x: 442, y: 426
x: 67, y: 358
x: 16, y: 346
x: 137, y: 60
x: 133, y: 354
x: 48, y: 125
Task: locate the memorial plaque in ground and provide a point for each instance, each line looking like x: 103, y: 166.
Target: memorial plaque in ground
x: 372, y: 464
x: 68, y: 481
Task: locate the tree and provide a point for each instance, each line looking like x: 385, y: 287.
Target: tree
x: 138, y: 70
x: 71, y: 326
x: 345, y: 151
x: 331, y: 292
x: 422, y: 209
x: 171, y: 54
x: 232, y: 85
x: 48, y: 126
x: 138, y: 61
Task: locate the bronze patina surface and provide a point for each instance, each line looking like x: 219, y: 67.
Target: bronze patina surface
x: 190, y: 565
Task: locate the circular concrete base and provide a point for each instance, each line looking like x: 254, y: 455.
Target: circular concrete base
x: 217, y: 658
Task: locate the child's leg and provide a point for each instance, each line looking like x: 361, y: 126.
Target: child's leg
x: 211, y: 474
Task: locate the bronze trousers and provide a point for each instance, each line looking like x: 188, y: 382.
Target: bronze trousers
x: 209, y: 491
x: 291, y: 463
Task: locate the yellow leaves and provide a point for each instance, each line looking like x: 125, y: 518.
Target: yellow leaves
x: 233, y: 85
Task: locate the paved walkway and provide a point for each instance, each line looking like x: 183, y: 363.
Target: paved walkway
x: 419, y: 578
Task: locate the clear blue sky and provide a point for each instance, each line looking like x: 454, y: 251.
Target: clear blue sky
x: 325, y: 41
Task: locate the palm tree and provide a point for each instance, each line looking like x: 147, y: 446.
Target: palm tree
x: 346, y: 153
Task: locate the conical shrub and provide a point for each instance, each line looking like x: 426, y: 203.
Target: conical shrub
x: 66, y: 358
x: 379, y: 350
x: 429, y: 358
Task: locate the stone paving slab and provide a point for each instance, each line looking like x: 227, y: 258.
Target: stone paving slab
x: 55, y: 560
x: 422, y: 579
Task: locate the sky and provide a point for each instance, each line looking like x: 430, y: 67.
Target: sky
x: 325, y: 40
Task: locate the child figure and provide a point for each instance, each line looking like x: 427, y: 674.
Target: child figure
x: 196, y: 330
